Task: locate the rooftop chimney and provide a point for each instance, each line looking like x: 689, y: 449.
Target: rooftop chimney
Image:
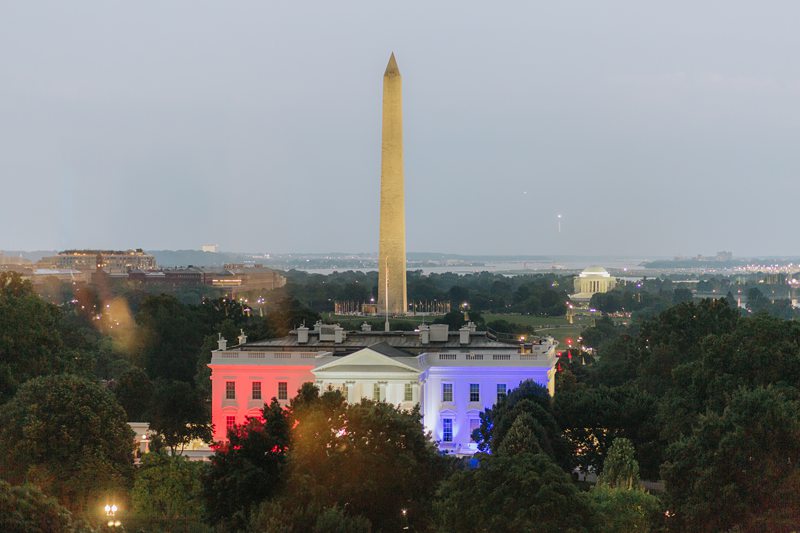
x: 366, y: 327
x: 463, y: 335
x: 242, y: 337
x: 424, y: 334
x: 302, y: 335
x: 222, y: 343
x: 338, y: 334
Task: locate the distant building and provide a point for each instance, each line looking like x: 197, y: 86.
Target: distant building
x: 210, y: 248
x: 109, y: 261
x: 591, y: 281
x: 452, y: 375
x: 241, y: 277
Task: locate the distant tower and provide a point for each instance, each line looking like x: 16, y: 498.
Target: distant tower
x: 392, y: 245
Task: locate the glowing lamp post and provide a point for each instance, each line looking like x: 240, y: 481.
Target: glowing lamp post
x: 111, y: 510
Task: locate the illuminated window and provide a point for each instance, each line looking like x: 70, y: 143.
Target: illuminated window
x: 447, y: 392
x: 256, y: 390
x: 474, y: 392
x: 230, y: 390
x: 283, y: 390
x: 447, y: 429
x: 376, y: 392
x: 408, y: 393
x: 501, y: 391
x: 230, y: 422
x: 474, y: 423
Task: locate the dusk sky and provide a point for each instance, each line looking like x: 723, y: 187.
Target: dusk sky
x: 666, y: 129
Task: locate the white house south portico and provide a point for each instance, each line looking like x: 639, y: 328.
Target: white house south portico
x: 370, y: 373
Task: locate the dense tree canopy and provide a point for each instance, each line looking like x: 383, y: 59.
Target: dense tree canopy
x: 518, y: 488
x: 168, y: 488
x: 26, y: 509
x: 67, y: 435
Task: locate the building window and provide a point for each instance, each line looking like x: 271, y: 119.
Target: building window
x: 408, y: 393
x: 376, y: 392
x: 230, y: 422
x: 447, y: 429
x: 283, y: 390
x: 256, y: 390
x: 474, y: 424
x: 474, y: 392
x: 501, y: 391
x: 230, y: 390
x: 447, y: 392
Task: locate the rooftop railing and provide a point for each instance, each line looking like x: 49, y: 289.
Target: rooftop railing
x: 261, y: 355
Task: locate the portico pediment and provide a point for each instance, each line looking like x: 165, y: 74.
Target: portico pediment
x: 368, y: 361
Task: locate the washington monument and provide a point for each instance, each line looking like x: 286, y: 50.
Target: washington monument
x: 392, y: 296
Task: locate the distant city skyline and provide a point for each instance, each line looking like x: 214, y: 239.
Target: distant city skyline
x: 257, y: 126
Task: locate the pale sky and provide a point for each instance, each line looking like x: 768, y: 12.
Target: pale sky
x: 655, y: 129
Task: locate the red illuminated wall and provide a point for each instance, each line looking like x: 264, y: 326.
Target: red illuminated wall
x: 244, y: 376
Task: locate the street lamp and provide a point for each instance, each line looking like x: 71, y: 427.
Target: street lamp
x: 111, y: 510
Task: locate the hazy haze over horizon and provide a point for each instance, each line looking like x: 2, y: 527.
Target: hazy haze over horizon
x: 655, y: 130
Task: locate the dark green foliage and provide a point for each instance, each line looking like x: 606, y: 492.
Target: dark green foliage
x: 523, y: 492
x: 620, y: 469
x: 710, y: 396
x: 178, y: 414
x: 26, y: 509
x: 134, y: 392
x: 740, y: 467
x: 537, y: 294
x: 283, y: 516
x: 30, y: 340
x: 170, y: 338
x: 369, y: 459
x: 67, y: 435
x: 249, y: 468
x: 624, y: 511
x: 534, y: 400
x: 168, y: 488
x: 455, y: 319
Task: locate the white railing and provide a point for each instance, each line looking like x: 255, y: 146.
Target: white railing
x: 257, y: 355
x: 463, y: 357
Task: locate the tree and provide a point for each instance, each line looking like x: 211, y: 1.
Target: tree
x: 26, y: 509
x: 522, y: 492
x: 178, y: 414
x: 620, y: 469
x: 134, y: 392
x: 248, y: 469
x: 30, y: 344
x: 168, y: 488
x: 530, y: 398
x: 521, y: 437
x: 370, y: 459
x: 619, y: 510
x: 739, y: 468
x: 67, y: 435
x: 171, y: 335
